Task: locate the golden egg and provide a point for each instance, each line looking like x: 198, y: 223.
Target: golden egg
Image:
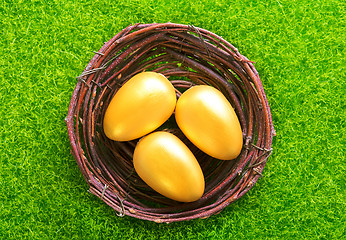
x: 140, y: 106
x: 168, y: 166
x: 208, y: 120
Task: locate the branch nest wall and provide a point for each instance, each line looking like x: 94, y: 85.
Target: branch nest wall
x: 188, y: 56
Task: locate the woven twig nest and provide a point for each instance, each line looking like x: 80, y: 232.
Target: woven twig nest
x: 188, y: 56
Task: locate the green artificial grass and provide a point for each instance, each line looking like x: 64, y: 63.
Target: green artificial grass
x: 299, y: 50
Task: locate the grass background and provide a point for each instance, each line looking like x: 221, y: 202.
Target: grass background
x: 299, y: 50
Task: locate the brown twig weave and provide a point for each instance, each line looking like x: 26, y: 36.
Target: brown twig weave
x: 188, y: 56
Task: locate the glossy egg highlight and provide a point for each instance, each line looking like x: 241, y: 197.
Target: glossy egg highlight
x: 140, y: 106
x: 168, y: 166
x: 209, y: 121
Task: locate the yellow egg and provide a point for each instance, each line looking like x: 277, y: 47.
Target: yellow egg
x: 208, y: 120
x: 168, y: 166
x: 140, y: 106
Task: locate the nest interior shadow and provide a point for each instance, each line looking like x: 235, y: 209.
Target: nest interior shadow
x: 187, y: 56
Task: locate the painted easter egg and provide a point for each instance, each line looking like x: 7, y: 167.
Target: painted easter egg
x: 209, y: 121
x: 168, y: 166
x: 140, y: 106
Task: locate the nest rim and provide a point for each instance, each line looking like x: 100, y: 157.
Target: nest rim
x: 199, y: 57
